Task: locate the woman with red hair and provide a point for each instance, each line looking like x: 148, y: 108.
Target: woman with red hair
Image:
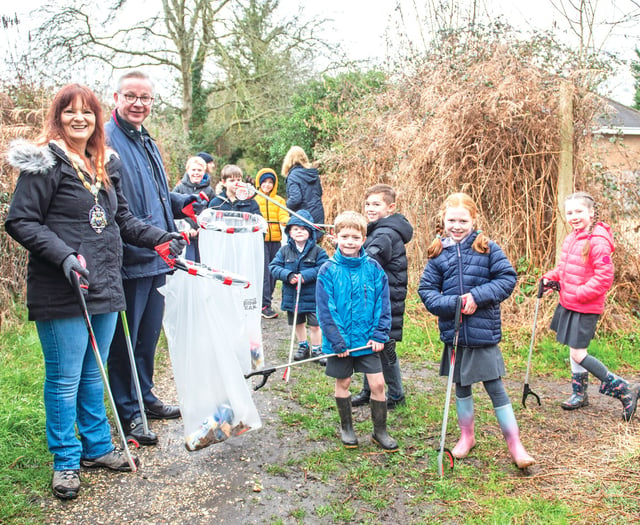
x: 67, y: 206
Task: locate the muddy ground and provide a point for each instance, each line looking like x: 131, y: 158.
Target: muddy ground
x: 235, y: 482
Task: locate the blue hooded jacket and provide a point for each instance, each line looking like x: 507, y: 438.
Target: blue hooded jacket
x: 289, y: 261
x: 353, y: 303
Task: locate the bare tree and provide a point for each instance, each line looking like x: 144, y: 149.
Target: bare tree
x: 592, y: 24
x: 180, y: 34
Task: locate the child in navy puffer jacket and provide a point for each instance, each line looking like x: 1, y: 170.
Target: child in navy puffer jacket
x: 300, y: 258
x: 464, y: 263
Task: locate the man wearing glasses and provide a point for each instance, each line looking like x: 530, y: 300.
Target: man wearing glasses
x: 146, y: 189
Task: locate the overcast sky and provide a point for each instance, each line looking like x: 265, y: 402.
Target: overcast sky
x: 362, y: 27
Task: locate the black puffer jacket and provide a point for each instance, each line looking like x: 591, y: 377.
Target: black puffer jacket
x: 385, y: 242
x: 49, y: 216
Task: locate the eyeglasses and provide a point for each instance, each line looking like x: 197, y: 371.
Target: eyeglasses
x: 145, y: 100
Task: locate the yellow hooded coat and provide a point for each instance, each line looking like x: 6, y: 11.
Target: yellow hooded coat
x: 273, y: 214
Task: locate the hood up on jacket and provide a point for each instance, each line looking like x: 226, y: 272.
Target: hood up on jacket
x: 297, y: 221
x: 267, y: 172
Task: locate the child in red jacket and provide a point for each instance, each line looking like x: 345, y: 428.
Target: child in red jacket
x: 585, y: 273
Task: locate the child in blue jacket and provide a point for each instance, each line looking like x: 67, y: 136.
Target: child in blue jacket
x: 300, y: 258
x: 354, y: 311
x: 465, y: 263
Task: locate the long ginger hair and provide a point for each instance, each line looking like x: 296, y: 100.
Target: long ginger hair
x: 54, y: 130
x: 458, y: 200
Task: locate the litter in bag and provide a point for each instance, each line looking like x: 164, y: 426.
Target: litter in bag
x: 199, y: 320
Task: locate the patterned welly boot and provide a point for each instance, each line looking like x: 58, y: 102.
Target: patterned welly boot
x: 511, y: 433
x: 617, y: 387
x: 579, y: 398
x: 464, y: 408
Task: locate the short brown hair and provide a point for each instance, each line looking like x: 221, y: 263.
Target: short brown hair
x: 351, y: 219
x: 229, y: 171
x: 387, y: 192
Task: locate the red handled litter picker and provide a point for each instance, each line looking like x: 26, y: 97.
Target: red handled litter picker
x: 268, y: 371
x: 287, y: 371
x: 445, y: 417
x: 78, y: 286
x: 194, y: 268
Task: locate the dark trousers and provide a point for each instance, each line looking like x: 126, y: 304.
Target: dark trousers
x: 268, y: 281
x: 145, y: 307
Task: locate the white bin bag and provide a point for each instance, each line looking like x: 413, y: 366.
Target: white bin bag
x: 234, y: 241
x: 215, y: 399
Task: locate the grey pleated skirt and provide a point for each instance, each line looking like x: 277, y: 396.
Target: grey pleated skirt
x: 573, y: 329
x: 473, y: 364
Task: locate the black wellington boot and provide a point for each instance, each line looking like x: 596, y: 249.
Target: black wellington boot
x: 380, y: 434
x: 579, y: 398
x: 347, y: 434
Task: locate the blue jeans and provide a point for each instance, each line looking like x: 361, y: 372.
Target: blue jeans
x: 73, y: 389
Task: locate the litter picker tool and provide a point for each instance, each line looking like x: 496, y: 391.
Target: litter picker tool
x: 452, y: 363
x: 266, y: 373
x: 287, y: 372
x: 195, y: 268
x: 526, y: 391
x: 244, y: 191
x: 134, y: 373
x: 78, y: 286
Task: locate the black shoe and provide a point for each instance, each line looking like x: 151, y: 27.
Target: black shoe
x: 303, y: 352
x: 161, y: 411
x: 269, y: 313
x: 393, y: 403
x: 134, y: 430
x: 361, y: 398
x: 316, y: 352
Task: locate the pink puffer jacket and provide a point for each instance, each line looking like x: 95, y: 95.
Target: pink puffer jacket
x: 584, y: 283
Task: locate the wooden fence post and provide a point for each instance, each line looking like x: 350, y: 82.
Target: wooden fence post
x: 565, y: 162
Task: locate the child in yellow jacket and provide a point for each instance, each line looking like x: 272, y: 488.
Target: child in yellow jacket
x: 267, y: 183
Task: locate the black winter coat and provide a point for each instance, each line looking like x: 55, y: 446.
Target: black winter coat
x: 304, y: 192
x: 385, y: 242
x: 49, y: 216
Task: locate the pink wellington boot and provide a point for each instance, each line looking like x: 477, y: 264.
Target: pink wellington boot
x: 511, y: 433
x: 464, y: 407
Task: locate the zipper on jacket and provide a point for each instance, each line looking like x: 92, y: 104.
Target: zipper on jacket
x: 463, y: 325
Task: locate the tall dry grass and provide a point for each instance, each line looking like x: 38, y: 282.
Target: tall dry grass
x: 21, y: 116
x: 484, y: 121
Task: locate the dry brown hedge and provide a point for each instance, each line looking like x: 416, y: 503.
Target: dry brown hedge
x: 16, y: 121
x: 485, y: 121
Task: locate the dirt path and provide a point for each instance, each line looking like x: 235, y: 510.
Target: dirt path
x: 224, y: 483
x: 236, y: 482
